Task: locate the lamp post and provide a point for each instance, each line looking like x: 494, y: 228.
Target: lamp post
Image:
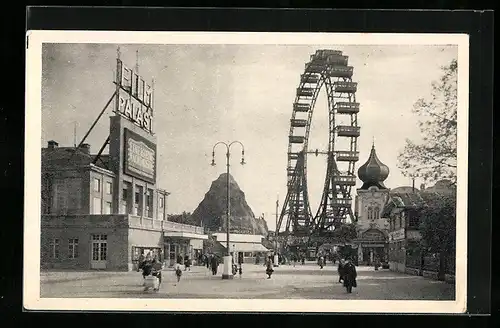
x: 276, y: 234
x: 227, y: 272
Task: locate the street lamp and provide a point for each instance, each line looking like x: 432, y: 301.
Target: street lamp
x: 227, y: 272
x: 276, y: 234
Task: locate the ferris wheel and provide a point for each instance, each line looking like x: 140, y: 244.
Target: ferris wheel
x: 328, y: 69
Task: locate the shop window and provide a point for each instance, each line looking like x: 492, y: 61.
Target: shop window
x: 97, y: 185
x: 109, y: 188
x: 54, y: 248
x: 73, y: 248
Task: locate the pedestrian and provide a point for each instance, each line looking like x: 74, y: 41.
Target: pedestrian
x: 140, y: 261
x: 303, y: 260
x: 147, y: 267
x: 214, y: 263
x: 340, y: 270
x: 178, y: 272
x: 187, y: 263
x: 320, y: 262
x: 207, y: 260
x: 240, y: 270
x: 349, y: 275
x: 269, y: 267
x: 156, y: 271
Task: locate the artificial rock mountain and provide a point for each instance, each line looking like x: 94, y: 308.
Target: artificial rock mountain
x: 211, y: 211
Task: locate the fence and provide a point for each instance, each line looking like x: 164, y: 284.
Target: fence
x: 148, y: 223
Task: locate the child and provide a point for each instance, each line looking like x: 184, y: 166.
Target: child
x: 178, y: 272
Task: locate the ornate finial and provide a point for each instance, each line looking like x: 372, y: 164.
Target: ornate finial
x: 373, y: 141
x: 118, y: 53
x: 137, y: 61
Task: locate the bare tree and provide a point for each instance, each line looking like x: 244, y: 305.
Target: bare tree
x: 436, y: 156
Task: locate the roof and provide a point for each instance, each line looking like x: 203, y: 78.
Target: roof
x: 64, y: 157
x: 406, y: 200
x: 246, y: 247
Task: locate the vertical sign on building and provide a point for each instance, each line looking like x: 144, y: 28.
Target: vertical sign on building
x: 134, y: 98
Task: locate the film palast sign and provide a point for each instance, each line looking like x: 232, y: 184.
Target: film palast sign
x: 140, y: 157
x: 134, y: 97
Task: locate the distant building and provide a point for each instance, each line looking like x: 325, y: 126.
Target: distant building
x: 244, y: 246
x: 372, y: 227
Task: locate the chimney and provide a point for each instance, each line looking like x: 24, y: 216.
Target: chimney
x: 85, y: 148
x: 52, y: 144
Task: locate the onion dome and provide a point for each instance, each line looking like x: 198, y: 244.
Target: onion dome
x: 373, y: 172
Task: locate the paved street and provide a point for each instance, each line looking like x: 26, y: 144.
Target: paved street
x: 301, y: 282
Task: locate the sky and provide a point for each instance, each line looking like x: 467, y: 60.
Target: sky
x: 210, y: 93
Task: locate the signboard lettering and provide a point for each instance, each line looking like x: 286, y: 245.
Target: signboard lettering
x: 140, y: 157
x: 397, y: 235
x: 134, y: 98
x: 133, y: 110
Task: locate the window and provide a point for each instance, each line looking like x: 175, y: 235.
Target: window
x: 149, y: 203
x: 107, y: 208
x: 73, y: 248
x: 97, y: 185
x: 161, y: 202
x: 109, y: 188
x: 125, y: 194
x: 54, y: 248
x: 414, y: 221
x: 99, y: 247
x: 97, y: 205
x: 370, y: 214
x: 137, y: 197
x: 376, y: 213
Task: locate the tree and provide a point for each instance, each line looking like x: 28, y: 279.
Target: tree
x: 436, y: 156
x: 346, y: 232
x: 437, y: 226
x: 184, y: 217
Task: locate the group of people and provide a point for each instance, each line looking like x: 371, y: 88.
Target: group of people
x: 211, y: 261
x: 150, y: 266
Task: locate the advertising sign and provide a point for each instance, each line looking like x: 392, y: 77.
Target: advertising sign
x: 134, y: 99
x: 140, y: 157
x: 397, y: 235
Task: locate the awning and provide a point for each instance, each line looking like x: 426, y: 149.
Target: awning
x: 245, y: 247
x: 187, y: 235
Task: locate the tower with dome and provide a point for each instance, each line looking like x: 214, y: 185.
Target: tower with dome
x: 372, y: 229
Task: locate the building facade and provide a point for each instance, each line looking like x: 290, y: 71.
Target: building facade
x: 403, y: 210
x: 104, y: 211
x: 372, y: 228
x: 243, y: 247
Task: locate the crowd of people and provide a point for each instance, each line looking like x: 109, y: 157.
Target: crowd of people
x: 152, y: 267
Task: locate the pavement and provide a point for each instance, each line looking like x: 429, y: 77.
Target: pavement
x: 287, y: 282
